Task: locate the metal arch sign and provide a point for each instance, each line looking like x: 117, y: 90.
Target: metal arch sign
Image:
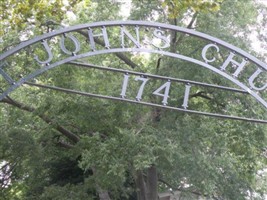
x: 131, y: 36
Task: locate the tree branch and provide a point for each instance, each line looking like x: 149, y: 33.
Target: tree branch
x: 201, y: 94
x: 189, y: 26
x: 64, y: 145
x: 176, y: 41
x: 166, y: 183
x: 73, y: 137
x: 175, y: 33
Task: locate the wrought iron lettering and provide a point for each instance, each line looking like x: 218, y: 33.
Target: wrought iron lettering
x: 125, y: 32
x: 160, y: 35
x: 158, y: 92
x: 124, y: 85
x: 253, y: 77
x: 204, y: 52
x: 69, y: 91
x: 186, y: 96
x: 132, y: 36
x: 104, y: 34
x: 75, y: 42
x: 141, y: 89
x: 49, y: 53
x: 239, y: 66
x: 165, y: 95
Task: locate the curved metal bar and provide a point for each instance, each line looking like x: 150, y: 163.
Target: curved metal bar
x: 147, y: 103
x: 135, y: 23
x: 158, y: 77
x: 174, y: 55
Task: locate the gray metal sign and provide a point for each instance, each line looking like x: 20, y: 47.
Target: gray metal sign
x: 139, y: 36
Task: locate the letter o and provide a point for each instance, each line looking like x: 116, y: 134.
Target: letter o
x: 75, y: 42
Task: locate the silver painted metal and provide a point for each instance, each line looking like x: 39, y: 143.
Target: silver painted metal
x: 92, y: 36
x: 165, y: 95
x: 134, y: 23
x: 204, y: 52
x: 147, y: 103
x: 135, y: 41
x: 186, y: 95
x: 81, y: 64
x: 141, y: 89
x: 5, y: 75
x: 252, y: 78
x: 75, y: 42
x: 124, y: 85
x: 116, y: 50
x: 159, y: 28
x: 239, y: 66
x: 49, y: 52
x: 159, y: 34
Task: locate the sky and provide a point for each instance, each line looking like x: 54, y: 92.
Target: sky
x: 255, y: 42
x: 263, y: 1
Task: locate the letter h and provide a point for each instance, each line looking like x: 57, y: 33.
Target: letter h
x: 92, y: 36
x: 240, y: 66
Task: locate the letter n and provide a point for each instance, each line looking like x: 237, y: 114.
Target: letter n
x: 135, y: 41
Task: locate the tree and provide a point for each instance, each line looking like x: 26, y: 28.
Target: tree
x: 85, y: 148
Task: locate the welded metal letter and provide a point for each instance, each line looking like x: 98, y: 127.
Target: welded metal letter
x: 240, y: 66
x: 124, y: 85
x: 204, y: 52
x: 141, y: 89
x: 92, y: 41
x: 186, y: 96
x: 75, y: 42
x: 159, y: 34
x: 135, y: 41
x: 49, y: 52
x: 165, y: 96
x: 252, y: 78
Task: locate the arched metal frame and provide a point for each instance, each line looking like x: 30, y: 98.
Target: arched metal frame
x: 74, y: 57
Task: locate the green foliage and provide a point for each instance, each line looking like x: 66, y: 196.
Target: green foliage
x: 19, y: 14
x: 68, y: 191
x: 177, y: 7
x: 215, y: 157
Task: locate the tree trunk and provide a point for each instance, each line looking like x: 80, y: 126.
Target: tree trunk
x: 147, y: 188
x: 103, y: 194
x: 152, y: 183
x: 141, y: 186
